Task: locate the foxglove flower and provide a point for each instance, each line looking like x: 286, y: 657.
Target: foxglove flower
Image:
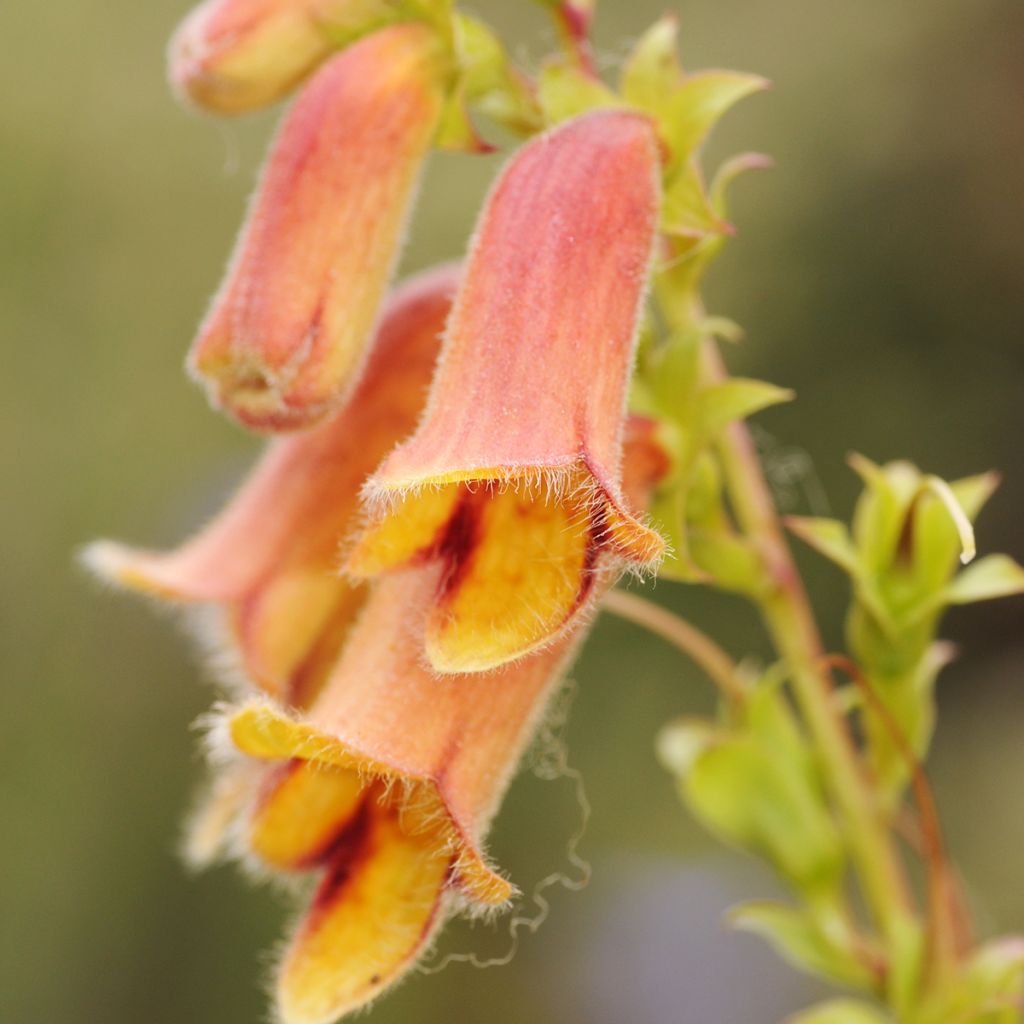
x: 386, y: 785
x: 232, y: 56
x: 270, y: 558
x: 286, y: 335
x: 512, y: 480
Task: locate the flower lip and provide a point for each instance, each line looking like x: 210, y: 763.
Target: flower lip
x: 263, y: 731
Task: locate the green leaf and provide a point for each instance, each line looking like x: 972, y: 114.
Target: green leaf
x: 840, y: 1011
x: 795, y: 936
x: 829, y: 537
x: 735, y: 399
x: 565, y: 91
x: 989, y: 577
x: 749, y: 795
x: 652, y: 71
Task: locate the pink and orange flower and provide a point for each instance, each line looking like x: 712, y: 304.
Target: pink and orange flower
x: 512, y: 481
x: 471, y: 454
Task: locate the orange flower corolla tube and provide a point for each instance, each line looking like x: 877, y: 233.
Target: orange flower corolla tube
x: 285, y: 338
x: 388, y: 784
x: 270, y: 557
x: 232, y: 56
x: 512, y: 479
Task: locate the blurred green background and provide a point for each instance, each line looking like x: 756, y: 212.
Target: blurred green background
x: 878, y: 271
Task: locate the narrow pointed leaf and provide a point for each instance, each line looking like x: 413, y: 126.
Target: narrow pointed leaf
x: 829, y: 537
x: 736, y: 399
x: 990, y: 577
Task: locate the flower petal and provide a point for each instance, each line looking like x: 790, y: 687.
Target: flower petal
x: 372, y: 916
x: 305, y: 807
x: 488, y: 612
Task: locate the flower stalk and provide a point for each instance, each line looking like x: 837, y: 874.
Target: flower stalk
x: 790, y: 621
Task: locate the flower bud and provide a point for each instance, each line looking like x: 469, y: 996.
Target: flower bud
x: 232, y: 56
x: 286, y: 336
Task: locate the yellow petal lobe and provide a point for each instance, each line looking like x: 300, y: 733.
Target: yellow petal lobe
x: 637, y: 544
x: 415, y: 526
x: 516, y: 586
x: 371, y: 918
x: 305, y: 810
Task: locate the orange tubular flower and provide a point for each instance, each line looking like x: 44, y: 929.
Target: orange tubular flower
x: 386, y: 786
x: 232, y: 56
x: 286, y: 334
x: 271, y: 556
x: 512, y: 480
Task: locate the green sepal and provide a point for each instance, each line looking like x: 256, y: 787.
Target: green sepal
x: 909, y: 700
x: 668, y: 516
x: 456, y: 131
x: 718, y: 405
x: 973, y: 492
x: 728, y: 560
x: 987, y: 990
x: 491, y: 81
x: 797, y: 937
x: 687, y: 211
x: 565, y: 91
x: 652, y: 70
x: 691, y: 110
x: 769, y: 716
x: 729, y: 171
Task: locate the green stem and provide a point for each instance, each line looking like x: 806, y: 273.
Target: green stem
x: 794, y: 633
